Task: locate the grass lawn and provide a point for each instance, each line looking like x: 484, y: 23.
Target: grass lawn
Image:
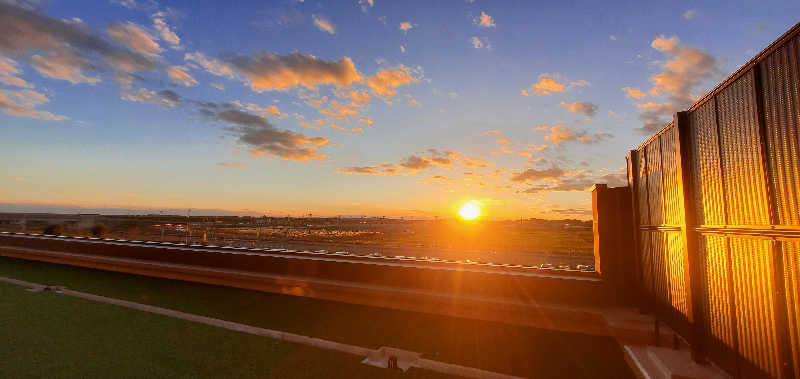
x: 487, y: 345
x: 47, y: 335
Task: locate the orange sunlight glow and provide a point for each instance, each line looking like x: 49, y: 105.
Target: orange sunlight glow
x: 470, y: 210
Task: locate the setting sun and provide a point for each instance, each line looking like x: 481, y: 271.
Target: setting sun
x: 470, y: 210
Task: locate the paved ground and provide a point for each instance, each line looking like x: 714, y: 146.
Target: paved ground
x: 491, y: 346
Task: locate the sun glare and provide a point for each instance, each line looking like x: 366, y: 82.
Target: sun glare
x: 470, y: 210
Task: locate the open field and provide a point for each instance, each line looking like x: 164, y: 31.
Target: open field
x: 486, y: 345
x: 529, y: 242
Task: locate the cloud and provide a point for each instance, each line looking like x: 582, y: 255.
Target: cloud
x: 23, y: 103
x: 384, y: 83
x: 308, y: 125
x: 218, y: 86
x: 366, y: 122
x: 480, y: 43
x: 589, y: 109
x: 533, y: 174
x: 338, y: 110
x: 406, y: 26
x: 63, y: 65
x: 136, y: 4
x: 135, y: 38
x: 179, y: 76
x: 634, y: 93
x: 235, y: 165
x: 381, y: 169
x: 414, y: 163
x: 690, y: 14
x: 358, y: 98
x: 164, y: 31
x: 560, y: 134
x: 267, y: 71
x: 547, y: 85
x: 684, y: 70
x: 212, y: 65
x: 24, y: 31
x: 323, y: 24
x: 612, y: 37
x: 580, y: 83
x: 524, y: 92
x: 271, y: 110
x: 484, y: 20
x: 8, y: 74
x: 262, y: 138
x: 402, y: 49
x: 165, y: 98
x: 541, y: 128
x: 502, y: 141
x: 492, y: 132
x: 366, y: 4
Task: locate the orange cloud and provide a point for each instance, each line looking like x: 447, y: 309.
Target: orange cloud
x: 384, y: 83
x: 484, y: 20
x: 135, y: 38
x: 634, y: 93
x: 589, y: 109
x: 406, y: 26
x: 267, y: 71
x: 23, y: 103
x: 181, y: 77
x: 547, y: 85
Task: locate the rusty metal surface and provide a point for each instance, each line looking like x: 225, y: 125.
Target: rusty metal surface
x: 780, y: 78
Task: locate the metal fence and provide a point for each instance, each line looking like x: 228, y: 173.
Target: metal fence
x: 717, y: 214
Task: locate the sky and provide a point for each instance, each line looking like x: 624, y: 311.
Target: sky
x: 362, y: 107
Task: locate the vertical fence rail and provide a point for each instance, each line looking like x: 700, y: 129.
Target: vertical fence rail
x: 717, y: 218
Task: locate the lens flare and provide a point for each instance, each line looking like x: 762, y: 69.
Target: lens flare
x: 470, y: 210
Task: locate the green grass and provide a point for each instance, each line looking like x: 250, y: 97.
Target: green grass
x: 48, y: 335
x: 487, y: 345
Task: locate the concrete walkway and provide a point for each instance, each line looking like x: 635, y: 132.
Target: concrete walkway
x: 405, y: 359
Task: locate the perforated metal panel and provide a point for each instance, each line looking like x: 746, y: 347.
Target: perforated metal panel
x: 654, y: 193
x: 676, y: 256
x: 641, y: 191
x: 673, y: 189
x: 719, y: 322
x: 791, y: 267
x: 780, y: 78
x: 661, y: 289
x: 705, y: 167
x: 741, y: 154
x: 753, y: 291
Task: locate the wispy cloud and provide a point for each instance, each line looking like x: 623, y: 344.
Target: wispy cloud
x: 323, y: 24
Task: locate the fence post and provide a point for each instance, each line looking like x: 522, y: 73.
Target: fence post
x: 692, y: 264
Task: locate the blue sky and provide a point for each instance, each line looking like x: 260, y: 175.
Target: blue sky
x: 421, y: 105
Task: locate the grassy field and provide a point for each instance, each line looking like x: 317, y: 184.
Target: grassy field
x: 47, y: 335
x: 492, y: 346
